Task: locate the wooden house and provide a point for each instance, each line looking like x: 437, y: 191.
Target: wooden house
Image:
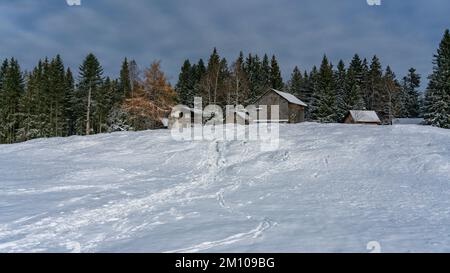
x: 292, y: 109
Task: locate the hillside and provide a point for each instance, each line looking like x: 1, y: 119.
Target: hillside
x: 329, y: 188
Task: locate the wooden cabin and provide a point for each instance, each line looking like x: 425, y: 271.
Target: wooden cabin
x: 362, y: 117
x: 292, y: 109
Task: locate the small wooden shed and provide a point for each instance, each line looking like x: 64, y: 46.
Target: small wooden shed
x: 292, y: 109
x: 362, y: 117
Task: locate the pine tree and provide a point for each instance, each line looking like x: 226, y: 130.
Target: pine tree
x: 102, y: 105
x: 124, y: 82
x: 296, y: 83
x: 30, y: 115
x: 185, y: 87
x: 264, y: 81
x: 69, y: 103
x: 89, y: 87
x: 437, y: 112
x: 135, y: 78
x: 12, y: 90
x: 354, y: 98
x: 325, y: 93
x: 3, y: 104
x: 410, y: 94
x: 373, y: 96
x: 253, y: 70
x: 56, y: 89
x: 391, y: 95
x: 312, y: 88
x: 343, y: 96
x: 365, y: 83
x: 276, y: 81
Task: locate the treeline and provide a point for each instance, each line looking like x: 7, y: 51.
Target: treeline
x: 330, y: 91
x: 50, y: 102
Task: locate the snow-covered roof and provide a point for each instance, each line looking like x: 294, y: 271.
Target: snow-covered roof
x: 409, y: 121
x: 364, y: 116
x: 290, y: 98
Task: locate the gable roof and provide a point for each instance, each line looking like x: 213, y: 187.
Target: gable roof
x: 290, y: 98
x: 364, y: 116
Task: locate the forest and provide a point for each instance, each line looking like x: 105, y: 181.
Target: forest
x: 50, y: 101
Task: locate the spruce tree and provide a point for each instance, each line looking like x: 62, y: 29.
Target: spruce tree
x: 3, y: 71
x: 411, y: 96
x: 296, y: 83
x: 69, y: 103
x: 90, y: 81
x: 253, y: 70
x: 103, y: 103
x: 391, y: 97
x: 325, y: 95
x: 276, y: 81
x: 198, y: 73
x: 437, y: 103
x: 12, y: 90
x: 312, y: 87
x: 366, y: 84
x: 343, y: 96
x: 185, y: 87
x: 355, y: 84
x: 57, y: 88
x: 124, y: 82
x: 374, y: 96
x: 265, y: 72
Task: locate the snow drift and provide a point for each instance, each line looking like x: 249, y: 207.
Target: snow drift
x: 328, y: 188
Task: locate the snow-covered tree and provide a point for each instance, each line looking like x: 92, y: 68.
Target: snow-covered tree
x: 437, y: 100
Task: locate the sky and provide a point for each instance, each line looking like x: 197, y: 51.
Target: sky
x: 403, y: 33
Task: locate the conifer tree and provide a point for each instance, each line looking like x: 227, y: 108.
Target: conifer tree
x: 326, y: 93
x: 265, y: 75
x: 31, y: 114
x: 411, y: 96
x: 3, y: 104
x: 437, y: 103
x: 312, y: 87
x: 12, y: 90
x: 374, y: 96
x: 90, y: 80
x: 355, y: 84
x: 124, y: 82
x: 296, y: 83
x: 253, y: 70
x: 239, y: 89
x: 56, y: 93
x: 343, y: 96
x: 276, y: 81
x: 69, y: 103
x: 185, y: 87
x: 391, y: 94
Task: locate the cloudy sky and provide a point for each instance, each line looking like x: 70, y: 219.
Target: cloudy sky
x: 403, y: 33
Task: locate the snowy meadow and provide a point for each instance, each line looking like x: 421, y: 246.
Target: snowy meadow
x: 327, y: 188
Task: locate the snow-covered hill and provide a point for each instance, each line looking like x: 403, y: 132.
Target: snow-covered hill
x: 328, y: 188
